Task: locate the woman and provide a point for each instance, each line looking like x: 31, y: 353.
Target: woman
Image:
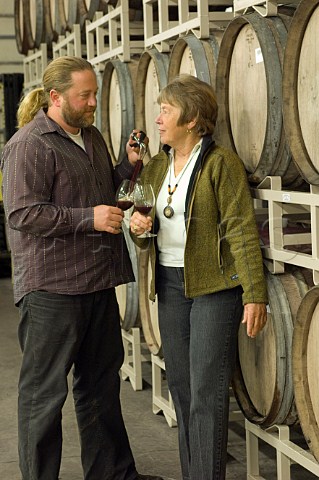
x: 209, y: 271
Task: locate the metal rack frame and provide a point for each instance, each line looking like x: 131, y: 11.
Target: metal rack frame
x: 133, y: 358
x: 70, y: 44
x: 287, y: 452
x: 162, y: 402
x: 282, y: 204
x: 34, y: 65
x: 159, y: 34
x: 265, y: 8
x: 111, y: 35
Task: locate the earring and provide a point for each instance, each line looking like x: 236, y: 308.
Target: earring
x: 189, y: 130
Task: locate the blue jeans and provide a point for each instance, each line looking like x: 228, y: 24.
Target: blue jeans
x: 57, y: 332
x: 199, y: 339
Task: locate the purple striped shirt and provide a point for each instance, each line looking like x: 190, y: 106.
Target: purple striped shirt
x: 50, y: 186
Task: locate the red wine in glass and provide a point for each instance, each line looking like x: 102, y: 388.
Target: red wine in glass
x: 144, y: 209
x: 124, y: 195
x: 144, y: 201
x: 124, y: 204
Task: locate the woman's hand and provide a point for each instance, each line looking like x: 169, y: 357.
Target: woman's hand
x: 133, y: 149
x: 255, y: 317
x: 139, y: 223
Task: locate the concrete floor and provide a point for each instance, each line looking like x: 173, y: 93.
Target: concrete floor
x: 153, y: 442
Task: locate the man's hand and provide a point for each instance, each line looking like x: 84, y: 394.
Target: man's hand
x: 133, y: 149
x: 107, y: 219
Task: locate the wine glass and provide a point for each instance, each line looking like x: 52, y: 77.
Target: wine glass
x: 144, y: 201
x: 124, y: 195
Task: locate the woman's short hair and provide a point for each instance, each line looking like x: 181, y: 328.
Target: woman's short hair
x: 196, y: 100
x: 57, y: 76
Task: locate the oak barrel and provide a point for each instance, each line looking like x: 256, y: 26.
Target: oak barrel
x: 33, y: 26
x: 98, y: 111
x: 87, y: 10
x: 151, y: 77
x: 63, y: 14
x: 262, y: 382
x: 305, y: 362
x: 249, y: 92
x: 300, y: 89
x: 117, y: 105
x: 148, y: 309
x: 195, y: 57
x: 127, y: 294
x: 20, y: 28
x: 69, y: 14
x: 55, y: 21
x: 135, y: 8
x: 29, y: 24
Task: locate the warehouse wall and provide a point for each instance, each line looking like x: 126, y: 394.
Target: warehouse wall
x: 10, y: 60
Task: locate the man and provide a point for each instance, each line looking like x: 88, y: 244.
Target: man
x: 68, y: 255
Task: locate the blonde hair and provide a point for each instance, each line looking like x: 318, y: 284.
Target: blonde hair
x: 195, y: 98
x: 30, y: 105
x: 57, y: 76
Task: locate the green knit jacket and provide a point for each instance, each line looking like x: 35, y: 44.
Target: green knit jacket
x: 222, y: 247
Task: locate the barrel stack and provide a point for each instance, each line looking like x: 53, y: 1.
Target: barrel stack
x: 262, y: 58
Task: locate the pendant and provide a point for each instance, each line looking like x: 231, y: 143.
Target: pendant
x: 168, y: 211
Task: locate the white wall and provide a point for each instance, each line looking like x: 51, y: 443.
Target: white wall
x: 11, y: 61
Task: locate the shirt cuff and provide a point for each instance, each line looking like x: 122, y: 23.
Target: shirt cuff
x: 83, y: 219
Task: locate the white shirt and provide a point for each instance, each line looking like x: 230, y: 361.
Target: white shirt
x: 77, y: 138
x: 171, y: 236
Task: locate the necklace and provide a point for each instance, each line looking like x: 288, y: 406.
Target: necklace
x: 168, y: 210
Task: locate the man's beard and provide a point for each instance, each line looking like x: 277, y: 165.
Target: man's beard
x: 77, y: 118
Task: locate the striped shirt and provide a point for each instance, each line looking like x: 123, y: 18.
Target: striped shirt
x: 50, y: 186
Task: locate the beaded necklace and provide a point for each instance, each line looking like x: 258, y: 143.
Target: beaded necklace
x: 168, y: 211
